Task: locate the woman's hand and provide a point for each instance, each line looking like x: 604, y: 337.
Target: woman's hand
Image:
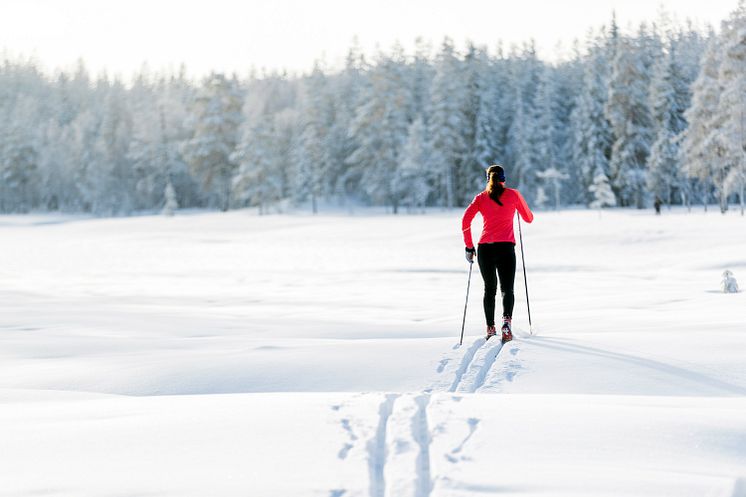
x: 470, y: 253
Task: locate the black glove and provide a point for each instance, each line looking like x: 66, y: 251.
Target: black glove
x: 470, y: 253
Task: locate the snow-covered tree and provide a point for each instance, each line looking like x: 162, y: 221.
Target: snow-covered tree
x: 346, y: 93
x: 217, y: 117
x: 110, y: 178
x: 446, y: 122
x: 524, y: 141
x: 702, y: 147
x: 547, y: 154
x: 731, y: 108
x: 146, y: 150
x: 668, y: 98
x: 258, y: 181
x: 603, y: 196
x: 541, y: 198
x: 312, y: 163
x: 380, y: 129
x: 413, y: 175
x: 171, y: 204
x: 565, y: 93
x: 19, y: 165
x: 628, y: 112
x: 554, y: 177
x: 479, y: 131
x: 592, y: 134
x: 76, y: 143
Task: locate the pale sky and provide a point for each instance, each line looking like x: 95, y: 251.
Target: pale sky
x: 230, y: 35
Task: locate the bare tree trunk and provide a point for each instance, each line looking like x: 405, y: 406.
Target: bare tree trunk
x: 449, y: 187
x: 704, y: 198
x: 556, y: 195
x: 226, y: 200
x: 723, y: 201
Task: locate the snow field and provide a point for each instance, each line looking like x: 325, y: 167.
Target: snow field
x: 375, y: 444
x: 225, y: 354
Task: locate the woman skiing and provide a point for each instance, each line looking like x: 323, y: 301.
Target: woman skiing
x: 496, y: 255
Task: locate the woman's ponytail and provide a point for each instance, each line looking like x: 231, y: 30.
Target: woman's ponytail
x: 495, y: 182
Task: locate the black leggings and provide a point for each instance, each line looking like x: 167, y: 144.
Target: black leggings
x: 497, y: 258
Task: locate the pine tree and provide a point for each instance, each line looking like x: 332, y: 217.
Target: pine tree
x: 19, y: 164
x: 110, y: 178
x: 489, y: 139
x: 627, y: 111
x: 592, y: 134
x: 690, y: 46
x: 603, y: 196
x: 731, y: 109
x: 311, y: 155
x: 478, y: 130
x: 446, y: 121
x: 523, y: 136
x: 175, y: 95
x: 422, y: 74
x: 217, y: 117
x: 380, y: 129
x: 346, y: 90
x: 546, y: 124
x: 702, y: 147
x: 565, y: 78
x: 145, y: 151
x: 524, y: 144
x: 554, y: 177
x: 667, y: 106
x: 171, y: 204
x: 413, y: 174
x: 258, y: 181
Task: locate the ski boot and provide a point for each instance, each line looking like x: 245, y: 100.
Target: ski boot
x: 507, y: 334
x: 491, y: 331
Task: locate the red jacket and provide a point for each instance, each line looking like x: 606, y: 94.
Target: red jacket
x: 497, y: 219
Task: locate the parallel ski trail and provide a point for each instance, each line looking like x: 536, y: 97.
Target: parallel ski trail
x: 479, y: 367
x: 406, y: 466
x: 465, y: 362
x: 505, y: 372
x: 421, y: 434
x: 377, y: 451
x: 488, y: 362
x: 399, y: 459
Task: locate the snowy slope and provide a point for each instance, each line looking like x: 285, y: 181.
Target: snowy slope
x: 226, y: 354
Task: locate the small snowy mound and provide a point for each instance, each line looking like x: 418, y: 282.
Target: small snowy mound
x: 729, y: 283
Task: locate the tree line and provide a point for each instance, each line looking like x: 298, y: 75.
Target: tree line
x: 653, y: 114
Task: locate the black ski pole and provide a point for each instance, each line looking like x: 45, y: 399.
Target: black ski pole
x: 525, y: 280
x: 461, y: 342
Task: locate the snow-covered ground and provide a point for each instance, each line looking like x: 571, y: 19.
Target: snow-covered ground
x: 232, y: 354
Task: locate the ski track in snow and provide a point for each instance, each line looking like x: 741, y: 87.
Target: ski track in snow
x: 377, y: 451
x: 465, y: 362
x: 421, y: 434
x: 505, y: 371
x: 399, y: 451
x: 479, y: 366
x: 399, y: 457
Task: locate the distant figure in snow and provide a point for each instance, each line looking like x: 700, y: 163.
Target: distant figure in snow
x: 729, y: 283
x: 496, y: 254
x: 657, y: 204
